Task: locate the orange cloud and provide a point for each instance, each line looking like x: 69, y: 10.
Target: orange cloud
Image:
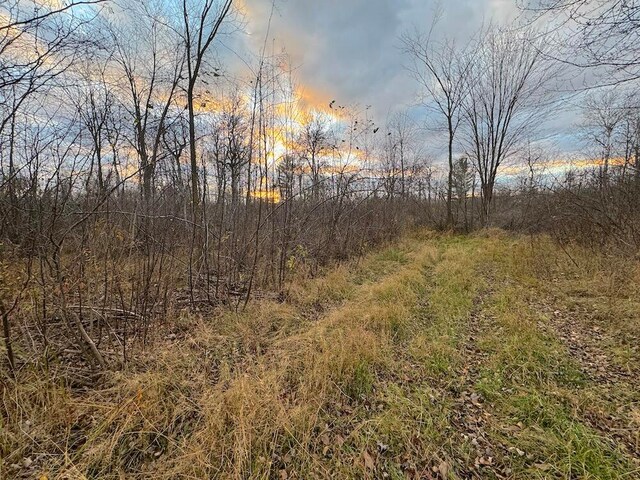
x: 560, y: 164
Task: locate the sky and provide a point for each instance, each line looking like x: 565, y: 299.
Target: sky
x: 349, y: 50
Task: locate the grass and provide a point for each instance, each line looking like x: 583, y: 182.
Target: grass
x: 436, y: 357
x: 530, y: 379
x: 531, y: 382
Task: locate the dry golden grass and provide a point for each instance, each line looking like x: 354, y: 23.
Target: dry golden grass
x: 231, y: 396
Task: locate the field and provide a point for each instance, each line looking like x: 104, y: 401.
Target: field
x: 436, y: 357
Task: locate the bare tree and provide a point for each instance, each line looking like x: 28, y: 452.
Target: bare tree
x: 36, y: 47
x: 402, y: 135
x: 313, y: 142
x: 631, y: 138
x: 599, y: 34
x: 506, y: 102
x: 150, y: 63
x: 442, y: 69
x: 229, y: 147
x: 202, y: 20
x: 603, y: 115
x: 175, y: 140
x: 37, y: 44
x: 94, y: 104
x: 464, y: 180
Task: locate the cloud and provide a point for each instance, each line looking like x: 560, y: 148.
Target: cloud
x: 349, y: 50
x: 351, y: 47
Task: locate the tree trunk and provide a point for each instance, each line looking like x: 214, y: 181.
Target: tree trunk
x: 235, y: 188
x: 450, y: 179
x: 195, y: 196
x: 487, y: 197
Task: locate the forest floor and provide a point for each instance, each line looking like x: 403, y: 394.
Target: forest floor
x: 438, y: 357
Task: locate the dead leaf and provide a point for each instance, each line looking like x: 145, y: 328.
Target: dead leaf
x: 517, y: 450
x: 542, y: 466
x: 443, y: 469
x: 368, y: 460
x: 283, y: 475
x: 484, y: 461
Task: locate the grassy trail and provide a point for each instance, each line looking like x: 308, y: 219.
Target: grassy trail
x: 499, y: 389
x: 439, y: 357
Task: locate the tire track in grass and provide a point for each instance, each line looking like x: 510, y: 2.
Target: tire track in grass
x: 478, y: 453
x: 590, y: 305
x: 480, y: 390
x: 409, y: 427
x: 346, y: 444
x: 504, y: 396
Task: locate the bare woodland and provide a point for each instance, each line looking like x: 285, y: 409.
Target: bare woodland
x: 142, y: 182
